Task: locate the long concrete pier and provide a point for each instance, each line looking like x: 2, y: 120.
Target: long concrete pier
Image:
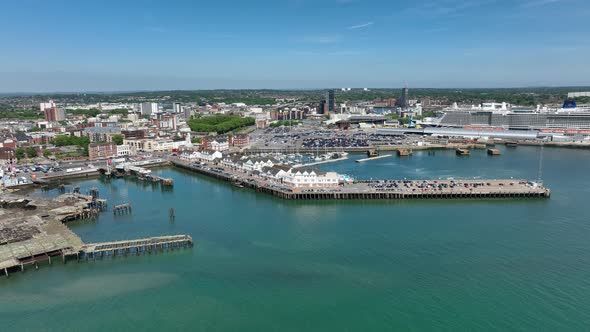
x: 382, y: 190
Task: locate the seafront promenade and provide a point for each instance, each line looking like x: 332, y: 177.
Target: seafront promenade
x: 376, y: 189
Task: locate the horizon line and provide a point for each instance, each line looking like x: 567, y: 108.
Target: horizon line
x: 24, y: 93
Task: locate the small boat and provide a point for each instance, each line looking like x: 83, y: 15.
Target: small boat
x: 404, y: 152
x: 494, y: 152
x: 463, y: 152
x: 238, y: 184
x: 511, y: 144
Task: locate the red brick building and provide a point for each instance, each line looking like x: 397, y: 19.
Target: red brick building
x: 133, y: 134
x: 54, y: 114
x: 9, y: 143
x: 8, y: 155
x: 239, y: 140
x: 102, y: 150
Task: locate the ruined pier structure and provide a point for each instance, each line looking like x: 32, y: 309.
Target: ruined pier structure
x: 34, y: 230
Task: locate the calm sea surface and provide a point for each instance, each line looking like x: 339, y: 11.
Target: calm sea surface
x: 264, y: 264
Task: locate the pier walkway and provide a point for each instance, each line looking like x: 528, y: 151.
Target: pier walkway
x: 135, y: 247
x: 373, y: 158
x: 382, y: 189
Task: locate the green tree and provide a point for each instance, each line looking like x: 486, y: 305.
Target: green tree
x: 219, y: 123
x: 118, y: 139
x: 65, y: 140
x: 20, y: 153
x: 31, y: 152
x: 119, y: 111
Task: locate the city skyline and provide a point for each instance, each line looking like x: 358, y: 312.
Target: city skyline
x: 297, y: 44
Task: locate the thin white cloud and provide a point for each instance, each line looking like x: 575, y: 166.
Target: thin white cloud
x: 360, y: 26
x: 536, y: 3
x: 446, y: 8
x: 321, y: 39
x: 156, y: 29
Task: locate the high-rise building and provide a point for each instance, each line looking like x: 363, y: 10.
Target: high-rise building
x: 403, y: 101
x: 54, y: 114
x: 149, y: 108
x: 321, y: 107
x: 187, y: 113
x: 44, y: 106
x: 330, y: 102
x: 177, y: 107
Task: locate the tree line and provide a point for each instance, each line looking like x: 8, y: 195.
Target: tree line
x: 219, y: 123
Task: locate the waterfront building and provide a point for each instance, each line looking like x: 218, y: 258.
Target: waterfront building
x: 257, y: 164
x: 311, y: 178
x: 202, y: 156
x: 102, y: 150
x: 276, y: 172
x: 123, y: 150
x: 220, y: 145
x: 301, y: 177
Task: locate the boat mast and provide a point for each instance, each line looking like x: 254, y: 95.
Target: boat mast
x: 540, y: 171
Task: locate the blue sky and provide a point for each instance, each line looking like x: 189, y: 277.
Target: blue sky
x: 63, y: 45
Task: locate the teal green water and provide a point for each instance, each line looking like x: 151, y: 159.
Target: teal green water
x: 263, y: 264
